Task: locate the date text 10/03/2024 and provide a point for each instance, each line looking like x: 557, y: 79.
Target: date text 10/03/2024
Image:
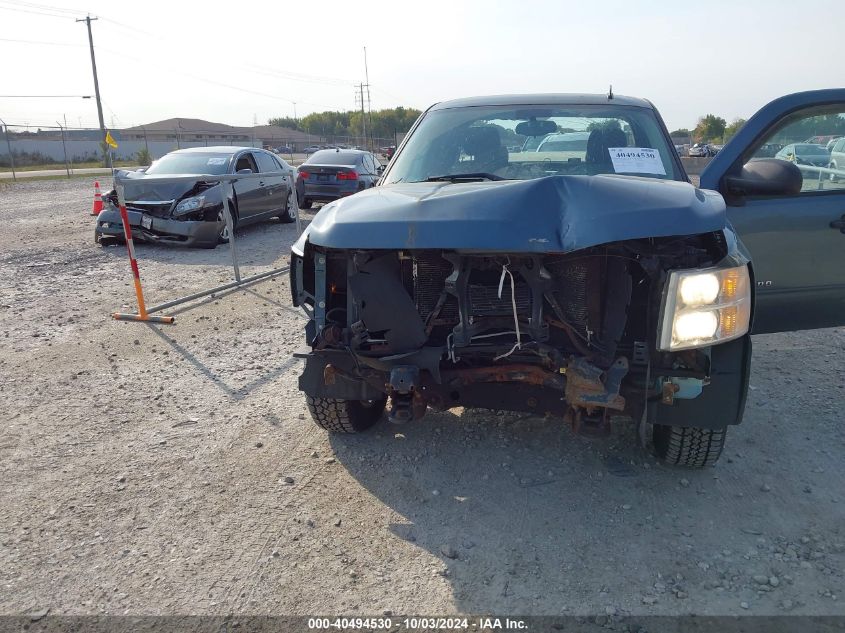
x: 419, y: 623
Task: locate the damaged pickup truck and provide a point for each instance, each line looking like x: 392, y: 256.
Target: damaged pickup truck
x: 579, y: 283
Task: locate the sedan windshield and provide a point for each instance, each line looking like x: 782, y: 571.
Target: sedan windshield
x: 190, y: 163
x: 526, y: 142
x: 811, y: 150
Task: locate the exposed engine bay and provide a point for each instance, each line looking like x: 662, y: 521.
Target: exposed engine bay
x: 564, y: 334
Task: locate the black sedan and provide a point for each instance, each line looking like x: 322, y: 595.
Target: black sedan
x: 191, y: 213
x: 334, y: 173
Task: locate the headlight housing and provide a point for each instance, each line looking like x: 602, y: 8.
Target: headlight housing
x: 189, y: 204
x: 704, y: 306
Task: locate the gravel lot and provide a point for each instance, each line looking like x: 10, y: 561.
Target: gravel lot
x: 172, y: 469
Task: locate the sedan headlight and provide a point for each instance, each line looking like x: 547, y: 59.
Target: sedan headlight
x: 189, y: 204
x: 704, y: 306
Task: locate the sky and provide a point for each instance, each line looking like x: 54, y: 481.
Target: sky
x: 242, y: 63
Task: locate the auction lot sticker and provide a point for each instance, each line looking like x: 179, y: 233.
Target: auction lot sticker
x: 636, y: 160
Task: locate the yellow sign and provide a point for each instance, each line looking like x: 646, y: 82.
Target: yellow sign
x: 110, y: 141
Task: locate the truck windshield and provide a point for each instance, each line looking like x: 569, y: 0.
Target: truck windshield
x: 525, y: 142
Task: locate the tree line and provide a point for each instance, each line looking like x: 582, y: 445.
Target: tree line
x: 379, y: 123
x: 714, y: 129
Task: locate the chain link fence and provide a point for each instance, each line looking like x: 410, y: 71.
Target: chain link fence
x: 66, y: 147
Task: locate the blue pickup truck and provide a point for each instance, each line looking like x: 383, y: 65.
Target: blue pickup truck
x: 579, y: 284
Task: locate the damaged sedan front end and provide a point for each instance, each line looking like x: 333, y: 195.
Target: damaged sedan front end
x: 573, y: 293
x: 179, y: 199
x: 181, y: 214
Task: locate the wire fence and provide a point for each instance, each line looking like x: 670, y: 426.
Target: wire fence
x: 62, y: 146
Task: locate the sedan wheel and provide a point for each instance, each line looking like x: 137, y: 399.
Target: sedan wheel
x: 289, y: 214
x: 223, y: 236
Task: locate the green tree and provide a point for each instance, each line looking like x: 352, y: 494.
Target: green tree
x: 804, y: 129
x: 285, y: 121
x: 380, y: 123
x: 732, y: 129
x: 143, y: 156
x: 680, y: 133
x: 604, y: 125
x: 709, y: 127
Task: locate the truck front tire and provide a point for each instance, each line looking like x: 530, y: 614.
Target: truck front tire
x: 688, y: 446
x: 345, y: 416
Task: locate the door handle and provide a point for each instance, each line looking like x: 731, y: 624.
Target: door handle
x: 260, y: 183
x: 839, y: 224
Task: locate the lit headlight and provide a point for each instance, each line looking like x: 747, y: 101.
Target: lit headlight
x: 703, y: 307
x: 189, y: 204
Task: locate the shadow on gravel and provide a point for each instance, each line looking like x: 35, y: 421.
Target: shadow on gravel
x: 526, y: 517
x: 519, y: 509
x: 259, y: 244
x: 218, y: 380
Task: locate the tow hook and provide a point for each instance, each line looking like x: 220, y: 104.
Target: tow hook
x: 406, y: 403
x: 589, y: 424
x: 669, y: 390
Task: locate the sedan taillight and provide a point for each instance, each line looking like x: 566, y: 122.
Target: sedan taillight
x: 302, y: 175
x: 347, y: 175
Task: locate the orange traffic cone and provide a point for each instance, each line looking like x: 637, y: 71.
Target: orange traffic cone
x: 98, y: 199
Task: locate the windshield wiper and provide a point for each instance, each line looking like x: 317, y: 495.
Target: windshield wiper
x: 481, y: 175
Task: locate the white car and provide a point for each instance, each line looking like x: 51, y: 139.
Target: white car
x: 700, y: 150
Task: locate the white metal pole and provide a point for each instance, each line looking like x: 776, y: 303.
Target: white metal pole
x: 9, y: 145
x: 230, y: 225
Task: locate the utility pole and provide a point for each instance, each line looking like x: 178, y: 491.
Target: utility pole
x: 369, y: 103
x: 88, y: 20
x: 363, y: 118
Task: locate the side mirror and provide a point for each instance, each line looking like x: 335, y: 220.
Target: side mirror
x: 141, y: 170
x: 766, y: 177
x: 380, y: 169
x: 245, y: 171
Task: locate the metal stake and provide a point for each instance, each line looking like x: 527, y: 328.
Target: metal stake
x: 64, y: 148
x: 9, y: 145
x: 230, y: 225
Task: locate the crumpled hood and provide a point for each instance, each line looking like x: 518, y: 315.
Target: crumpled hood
x: 139, y: 186
x: 553, y: 214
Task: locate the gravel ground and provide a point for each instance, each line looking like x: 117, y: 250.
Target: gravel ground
x: 172, y: 469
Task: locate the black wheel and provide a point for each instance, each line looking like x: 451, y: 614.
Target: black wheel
x: 223, y: 235
x: 345, y: 416
x: 305, y: 204
x: 289, y: 214
x: 688, y: 446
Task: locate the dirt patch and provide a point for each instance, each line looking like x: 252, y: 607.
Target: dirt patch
x: 172, y: 469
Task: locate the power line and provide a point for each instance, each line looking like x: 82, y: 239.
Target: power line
x: 45, y: 96
x: 7, y: 39
x: 209, y: 81
x: 50, y: 15
x: 134, y: 29
x: 293, y: 76
x: 261, y: 70
x: 45, y: 7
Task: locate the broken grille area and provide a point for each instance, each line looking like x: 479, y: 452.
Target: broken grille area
x: 155, y: 209
x: 571, y: 289
x: 424, y: 275
x: 484, y: 299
